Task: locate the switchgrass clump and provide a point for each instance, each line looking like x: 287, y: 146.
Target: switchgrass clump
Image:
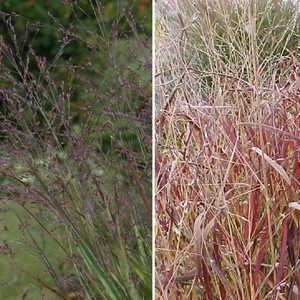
x: 76, y: 152
x: 227, y: 143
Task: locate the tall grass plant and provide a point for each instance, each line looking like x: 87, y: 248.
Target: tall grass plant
x: 227, y: 141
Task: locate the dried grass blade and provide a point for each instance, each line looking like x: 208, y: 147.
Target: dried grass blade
x: 261, y: 253
x: 294, y: 205
x: 274, y: 164
x: 200, y: 235
x: 270, y: 128
x: 282, y: 256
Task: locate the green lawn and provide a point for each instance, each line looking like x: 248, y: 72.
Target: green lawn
x: 14, y: 283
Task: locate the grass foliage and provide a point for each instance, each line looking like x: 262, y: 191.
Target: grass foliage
x: 227, y: 150
x: 88, y: 175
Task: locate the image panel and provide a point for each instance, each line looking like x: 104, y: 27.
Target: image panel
x: 75, y: 149
x: 227, y: 165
